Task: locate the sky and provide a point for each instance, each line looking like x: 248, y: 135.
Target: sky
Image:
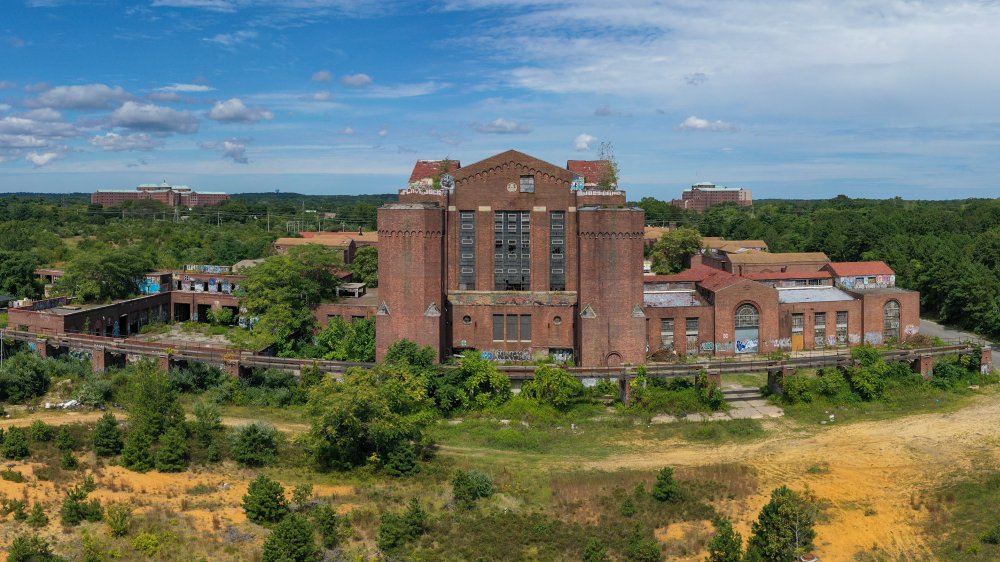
x: 806, y: 99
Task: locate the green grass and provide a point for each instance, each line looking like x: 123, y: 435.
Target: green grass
x: 898, y: 402
x: 753, y: 380
x: 961, y: 514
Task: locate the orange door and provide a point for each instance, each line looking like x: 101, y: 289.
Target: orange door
x: 797, y: 342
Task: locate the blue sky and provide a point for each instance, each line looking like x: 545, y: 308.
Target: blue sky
x: 803, y: 100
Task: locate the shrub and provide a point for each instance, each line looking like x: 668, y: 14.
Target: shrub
x: 832, y: 383
x: 255, y: 444
x: 264, y: 502
x: 195, y: 377
x: 172, y: 454
x: 484, y: 384
x: 65, y: 441
x: 12, y: 476
x: 136, y: 454
x: 866, y: 355
x: 147, y: 543
x: 328, y: 524
x: 41, y: 432
x: 628, y: 507
x: 552, y: 385
x: 76, y: 508
x: 642, y: 548
x: 207, y: 421
x: 726, y: 545
x: 119, y: 520
x: 17, y: 507
x: 666, y: 489
x: 37, y: 518
x: 868, y: 382
x: 469, y: 486
x: 408, y: 353
x: 291, y: 541
x: 23, y: 377
x: 596, y: 551
x: 302, y: 494
x: 153, y: 405
x: 68, y: 461
x: 783, y: 528
x: 31, y: 548
x: 992, y: 536
x: 107, y: 436
x: 15, y: 444
x: 397, y: 529
x: 797, y: 388
x: 402, y: 461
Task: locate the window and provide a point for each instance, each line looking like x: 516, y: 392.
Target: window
x: 691, y: 332
x: 798, y: 324
x: 667, y: 333
x: 466, y: 319
x: 557, y: 251
x: 891, y: 320
x: 747, y: 316
x: 527, y: 184
x: 511, y: 327
x: 513, y: 258
x: 842, y: 327
x: 467, y: 251
x: 819, y: 329
x: 557, y: 320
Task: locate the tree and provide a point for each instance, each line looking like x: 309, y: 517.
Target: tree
x: 119, y: 519
x: 152, y: 401
x: 17, y: 274
x: 641, y: 547
x: 207, y: 421
x: 23, y: 377
x: 282, y: 291
x: 40, y: 431
x: 65, y: 441
x: 76, y: 508
x: 366, y: 417
x: 104, y: 275
x: 31, y: 548
x: 484, y: 384
x: 37, y: 518
x: 726, y: 545
x: 666, y: 489
x: 397, y: 529
x: 674, y: 250
x: 596, y: 551
x: 348, y: 341
x: 409, y: 353
x: 136, y: 454
x: 552, y: 385
x: 328, y: 524
x: 265, y: 502
x: 172, y: 454
x: 255, y: 444
x: 610, y: 173
x: 365, y: 266
x: 291, y: 541
x: 784, y: 527
x: 107, y: 436
x: 15, y: 444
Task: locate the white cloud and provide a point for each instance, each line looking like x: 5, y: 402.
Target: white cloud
x: 16, y: 42
x: 234, y: 110
x: 154, y: 118
x: 117, y: 143
x: 165, y: 96
x: 356, y: 80
x: 322, y: 76
x: 501, y: 126
x: 187, y: 88
x: 583, y: 141
x: 214, y: 5
x: 14, y: 142
x: 696, y: 78
x: 347, y: 131
x: 232, y: 40
x: 4, y: 107
x: 383, y: 132
x: 603, y: 111
x: 4, y: 84
x: 88, y: 96
x: 405, y: 90
x: 321, y: 96
x: 698, y: 124
x: 44, y: 114
x: 40, y: 159
x: 233, y: 149
x: 19, y: 125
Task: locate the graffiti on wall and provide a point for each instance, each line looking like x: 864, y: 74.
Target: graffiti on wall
x: 855, y: 339
x: 504, y: 355
x: 867, y: 282
x: 783, y: 343
x: 708, y: 346
x: 873, y: 338
x: 746, y: 346
x: 911, y: 330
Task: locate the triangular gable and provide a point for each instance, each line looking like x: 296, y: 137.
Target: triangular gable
x: 588, y: 312
x: 432, y: 310
x: 383, y: 309
x: 512, y: 156
x: 637, y: 312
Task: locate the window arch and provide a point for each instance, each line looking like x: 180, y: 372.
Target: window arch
x: 747, y: 316
x: 890, y: 315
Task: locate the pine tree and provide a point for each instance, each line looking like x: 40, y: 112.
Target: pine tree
x: 172, y: 454
x: 107, y: 436
x: 726, y: 545
x: 291, y: 541
x: 136, y: 455
x: 65, y: 440
x: 37, y: 518
x: 666, y: 488
x: 265, y: 501
x: 15, y: 444
x: 596, y: 551
x: 783, y: 528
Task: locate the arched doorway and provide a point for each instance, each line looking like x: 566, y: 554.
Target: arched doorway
x: 747, y: 329
x: 614, y: 359
x: 890, y: 327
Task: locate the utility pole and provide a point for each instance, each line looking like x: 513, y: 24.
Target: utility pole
x: 269, y: 219
x: 218, y: 216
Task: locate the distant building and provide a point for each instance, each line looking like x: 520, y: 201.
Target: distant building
x: 701, y: 196
x: 169, y: 195
x: 347, y: 242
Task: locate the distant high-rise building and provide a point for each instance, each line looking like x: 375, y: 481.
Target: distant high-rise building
x: 170, y: 195
x: 701, y: 196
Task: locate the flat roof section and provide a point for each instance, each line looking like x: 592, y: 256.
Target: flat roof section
x: 672, y: 299
x: 793, y: 295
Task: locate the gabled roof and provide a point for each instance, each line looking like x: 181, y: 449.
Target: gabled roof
x: 715, y: 243
x: 720, y: 280
x: 852, y: 268
x: 429, y: 169
x: 511, y: 157
x: 318, y: 240
x: 769, y: 258
x: 344, y: 237
x: 591, y: 170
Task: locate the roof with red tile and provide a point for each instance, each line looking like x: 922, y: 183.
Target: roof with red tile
x: 693, y: 275
x: 429, y: 169
x: 852, y: 268
x: 776, y: 275
x: 591, y: 170
x: 720, y: 280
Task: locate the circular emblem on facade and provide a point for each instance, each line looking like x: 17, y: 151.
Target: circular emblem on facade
x: 512, y: 187
x: 447, y: 181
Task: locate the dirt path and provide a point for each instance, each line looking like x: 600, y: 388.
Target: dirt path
x: 872, y: 472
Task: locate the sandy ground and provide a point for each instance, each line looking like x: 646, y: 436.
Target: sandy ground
x: 872, y: 473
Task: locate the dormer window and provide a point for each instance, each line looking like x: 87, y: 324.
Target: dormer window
x: 527, y: 184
